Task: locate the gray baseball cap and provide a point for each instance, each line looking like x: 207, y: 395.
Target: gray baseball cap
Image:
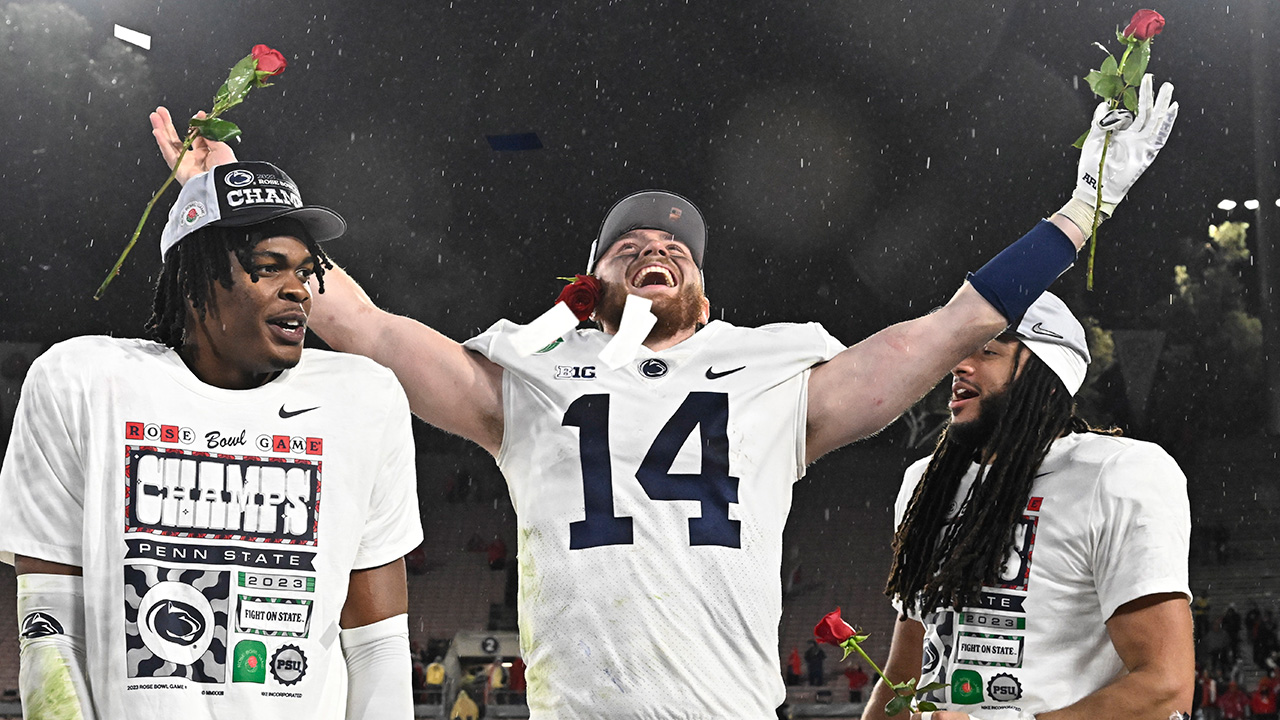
x: 242, y: 194
x: 1056, y: 337
x: 652, y: 210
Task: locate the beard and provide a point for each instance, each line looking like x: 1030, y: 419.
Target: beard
x: 675, y: 314
x: 977, y: 432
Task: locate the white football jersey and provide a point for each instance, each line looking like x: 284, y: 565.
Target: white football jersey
x: 650, y: 502
x: 1108, y: 521
x: 217, y: 529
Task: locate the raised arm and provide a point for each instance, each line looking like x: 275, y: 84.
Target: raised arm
x: 452, y: 388
x: 868, y: 385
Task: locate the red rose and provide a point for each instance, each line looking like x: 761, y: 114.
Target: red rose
x: 581, y: 295
x: 832, y: 630
x: 271, y: 61
x: 1145, y: 25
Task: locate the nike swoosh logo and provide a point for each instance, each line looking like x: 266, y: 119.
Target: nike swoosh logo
x: 1039, y: 330
x: 713, y: 375
x: 290, y: 413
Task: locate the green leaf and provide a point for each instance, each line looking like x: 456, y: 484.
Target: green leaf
x: 847, y: 650
x: 1079, y: 143
x: 1110, y: 66
x: 1107, y: 87
x: 216, y: 129
x: 926, y: 706
x: 1137, y: 63
x: 930, y: 687
x: 241, y: 79
x: 857, y: 639
x: 1131, y: 100
x: 896, y: 705
x: 221, y: 95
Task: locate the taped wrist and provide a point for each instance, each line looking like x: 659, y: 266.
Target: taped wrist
x: 1080, y: 213
x: 379, y: 671
x: 51, y: 675
x: 1012, y: 280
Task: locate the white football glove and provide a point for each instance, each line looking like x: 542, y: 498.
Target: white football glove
x: 1134, y: 144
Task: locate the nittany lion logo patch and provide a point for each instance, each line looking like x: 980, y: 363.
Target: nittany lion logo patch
x: 38, y: 625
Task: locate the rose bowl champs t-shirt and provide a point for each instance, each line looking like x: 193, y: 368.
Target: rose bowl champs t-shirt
x: 217, y: 529
x: 650, y: 502
x: 1107, y: 522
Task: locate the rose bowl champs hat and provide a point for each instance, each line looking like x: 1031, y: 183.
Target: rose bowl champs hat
x: 242, y: 194
x: 1051, y: 332
x: 652, y: 210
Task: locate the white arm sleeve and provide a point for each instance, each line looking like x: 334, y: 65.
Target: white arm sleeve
x: 379, y: 670
x: 51, y: 674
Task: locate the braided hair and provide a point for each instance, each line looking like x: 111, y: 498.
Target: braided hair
x: 933, y: 569
x: 195, y: 264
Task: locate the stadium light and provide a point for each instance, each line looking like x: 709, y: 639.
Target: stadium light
x: 1250, y: 204
x: 1227, y: 205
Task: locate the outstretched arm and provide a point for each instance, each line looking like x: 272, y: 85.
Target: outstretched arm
x: 454, y: 389
x: 870, y: 384
x: 450, y: 387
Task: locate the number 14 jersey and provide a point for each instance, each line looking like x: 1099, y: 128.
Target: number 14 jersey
x: 650, y: 502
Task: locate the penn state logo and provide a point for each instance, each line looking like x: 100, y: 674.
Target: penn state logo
x: 238, y: 178
x: 288, y: 665
x: 653, y: 368
x: 930, y: 661
x: 176, y: 622
x: 1004, y: 687
x: 38, y: 625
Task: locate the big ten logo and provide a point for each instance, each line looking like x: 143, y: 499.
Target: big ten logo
x: 158, y: 433
x: 1017, y: 567
x: 285, y: 444
x: 575, y: 372
x: 171, y: 492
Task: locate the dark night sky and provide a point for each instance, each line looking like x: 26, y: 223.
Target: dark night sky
x: 853, y: 158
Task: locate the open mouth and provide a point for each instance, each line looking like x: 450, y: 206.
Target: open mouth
x: 961, y: 393
x: 291, y: 327
x: 653, y: 275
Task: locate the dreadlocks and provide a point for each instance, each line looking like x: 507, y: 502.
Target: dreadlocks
x: 200, y: 260
x: 948, y: 568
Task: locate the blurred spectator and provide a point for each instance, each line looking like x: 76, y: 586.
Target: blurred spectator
x: 1205, y: 695
x: 1217, y: 649
x: 497, y: 553
x: 515, y: 675
x: 1263, y: 700
x: 494, y: 682
x: 434, y: 682
x: 814, y: 657
x: 857, y: 680
x: 794, y: 668
x: 464, y: 708
x: 419, y: 672
x: 1200, y: 616
x: 1233, y: 703
x: 1231, y: 626
x: 1265, y: 643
